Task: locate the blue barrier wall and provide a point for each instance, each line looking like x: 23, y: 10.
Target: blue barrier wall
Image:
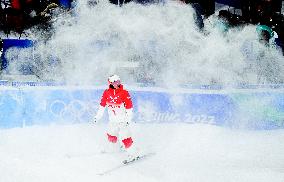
x: 65, y: 3
x: 35, y: 105
x: 8, y: 43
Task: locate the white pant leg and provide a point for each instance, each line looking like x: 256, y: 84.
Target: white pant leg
x: 112, y: 135
x: 113, y: 129
x: 124, y: 131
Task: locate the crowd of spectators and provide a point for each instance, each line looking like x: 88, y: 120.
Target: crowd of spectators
x: 262, y: 13
x: 19, y: 15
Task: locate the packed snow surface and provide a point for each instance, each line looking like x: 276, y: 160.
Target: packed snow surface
x: 183, y: 153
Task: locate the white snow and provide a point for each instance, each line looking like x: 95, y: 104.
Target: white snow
x: 183, y: 153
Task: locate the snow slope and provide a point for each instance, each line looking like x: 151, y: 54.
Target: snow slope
x: 183, y: 153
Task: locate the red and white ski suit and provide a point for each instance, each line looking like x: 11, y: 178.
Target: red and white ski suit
x: 119, y: 105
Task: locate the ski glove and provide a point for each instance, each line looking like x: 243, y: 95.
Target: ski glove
x: 99, y: 114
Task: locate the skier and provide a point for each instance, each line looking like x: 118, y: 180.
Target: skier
x: 120, y: 108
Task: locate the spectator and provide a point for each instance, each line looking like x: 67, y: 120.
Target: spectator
x: 224, y: 18
x: 222, y: 21
x: 198, y: 15
x: 262, y: 56
x: 278, y: 27
x: 265, y: 35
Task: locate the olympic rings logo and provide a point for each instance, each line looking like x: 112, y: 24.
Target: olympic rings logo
x: 75, y: 110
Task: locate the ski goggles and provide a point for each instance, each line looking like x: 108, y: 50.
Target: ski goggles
x: 115, y: 83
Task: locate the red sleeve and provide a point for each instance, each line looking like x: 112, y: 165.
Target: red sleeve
x: 127, y: 100
x: 104, y: 99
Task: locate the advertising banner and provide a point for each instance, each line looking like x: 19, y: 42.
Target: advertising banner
x: 44, y: 105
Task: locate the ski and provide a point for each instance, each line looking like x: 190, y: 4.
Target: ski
x: 125, y: 163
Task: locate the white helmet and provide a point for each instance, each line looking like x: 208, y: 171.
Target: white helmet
x: 113, y: 78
